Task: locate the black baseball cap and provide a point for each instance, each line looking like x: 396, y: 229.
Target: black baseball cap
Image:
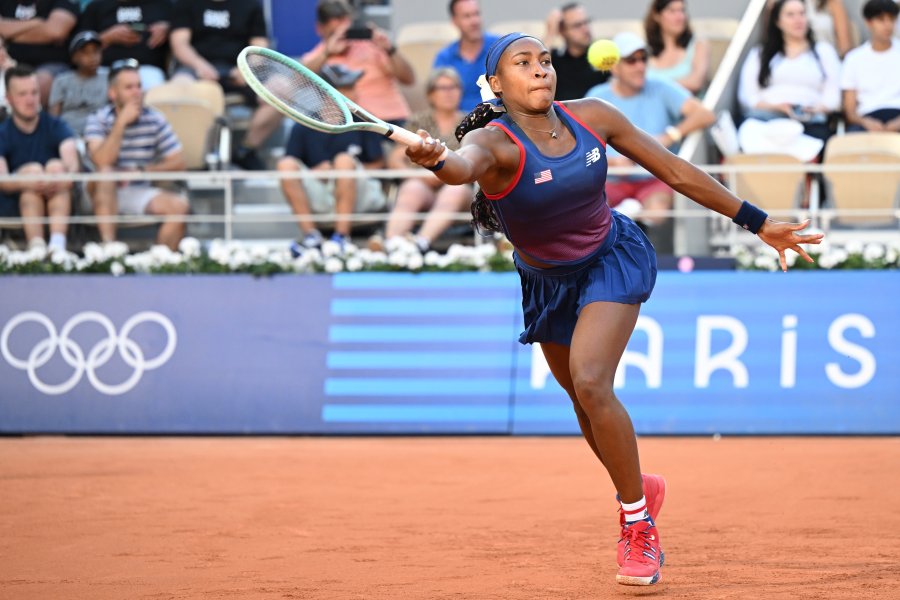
x: 82, y: 39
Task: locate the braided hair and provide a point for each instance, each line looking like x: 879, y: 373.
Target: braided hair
x: 484, y: 219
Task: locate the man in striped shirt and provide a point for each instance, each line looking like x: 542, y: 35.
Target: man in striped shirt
x: 126, y: 136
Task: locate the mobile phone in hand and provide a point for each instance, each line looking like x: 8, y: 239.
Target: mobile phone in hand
x: 359, y: 33
x: 359, y: 30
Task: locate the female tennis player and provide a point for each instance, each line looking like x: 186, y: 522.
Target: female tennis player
x: 584, y: 268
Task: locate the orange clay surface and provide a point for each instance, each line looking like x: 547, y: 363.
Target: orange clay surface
x: 439, y: 518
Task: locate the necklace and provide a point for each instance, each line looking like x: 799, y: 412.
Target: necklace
x: 552, y: 132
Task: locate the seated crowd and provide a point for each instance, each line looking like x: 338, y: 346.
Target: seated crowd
x: 90, y: 68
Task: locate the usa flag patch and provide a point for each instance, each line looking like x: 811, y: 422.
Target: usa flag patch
x: 543, y: 176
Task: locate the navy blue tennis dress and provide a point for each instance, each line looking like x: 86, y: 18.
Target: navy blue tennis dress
x: 555, y: 212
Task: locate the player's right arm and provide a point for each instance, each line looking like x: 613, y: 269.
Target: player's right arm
x: 485, y: 156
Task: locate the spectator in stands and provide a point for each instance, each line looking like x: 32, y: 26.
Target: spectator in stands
x: 37, y: 33
x: 206, y: 38
x: 312, y: 150
x: 466, y: 56
x: 791, y: 75
x: 34, y: 143
x: 661, y: 108
x: 829, y: 22
x: 574, y: 75
x: 126, y: 136
x: 137, y: 29
x: 675, y: 52
x: 871, y: 74
x: 363, y: 48
x: 77, y: 94
x: 6, y: 63
x: 428, y: 193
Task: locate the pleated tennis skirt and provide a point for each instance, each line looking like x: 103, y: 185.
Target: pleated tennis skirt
x: 622, y: 270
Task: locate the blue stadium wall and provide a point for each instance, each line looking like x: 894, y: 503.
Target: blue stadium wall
x: 726, y: 352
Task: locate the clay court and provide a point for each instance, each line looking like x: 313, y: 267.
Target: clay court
x: 439, y: 518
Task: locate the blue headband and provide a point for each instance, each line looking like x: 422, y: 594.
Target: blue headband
x: 497, y: 49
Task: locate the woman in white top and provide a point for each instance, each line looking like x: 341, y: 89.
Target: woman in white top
x: 830, y: 23
x: 791, y: 75
x: 675, y: 52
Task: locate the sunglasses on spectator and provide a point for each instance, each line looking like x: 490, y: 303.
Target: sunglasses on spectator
x: 635, y: 58
x: 125, y: 64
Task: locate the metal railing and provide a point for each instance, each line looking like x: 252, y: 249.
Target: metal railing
x: 224, y: 181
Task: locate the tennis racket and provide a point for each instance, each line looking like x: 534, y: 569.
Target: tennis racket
x: 305, y: 97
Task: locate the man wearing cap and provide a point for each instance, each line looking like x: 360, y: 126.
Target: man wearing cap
x: 368, y: 49
x: 661, y: 108
x: 76, y: 94
x: 467, y: 55
x: 315, y: 151
x: 137, y: 29
x: 36, y: 32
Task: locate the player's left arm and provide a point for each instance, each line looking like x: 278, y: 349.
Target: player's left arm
x: 682, y: 176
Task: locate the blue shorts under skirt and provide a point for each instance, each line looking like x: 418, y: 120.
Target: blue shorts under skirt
x: 622, y: 270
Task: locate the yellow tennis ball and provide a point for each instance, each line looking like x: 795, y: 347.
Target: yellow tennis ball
x: 603, y: 55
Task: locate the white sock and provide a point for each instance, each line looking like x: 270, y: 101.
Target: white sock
x: 636, y: 511
x: 37, y: 242
x: 58, y: 241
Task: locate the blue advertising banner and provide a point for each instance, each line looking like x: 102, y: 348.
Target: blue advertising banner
x: 713, y: 352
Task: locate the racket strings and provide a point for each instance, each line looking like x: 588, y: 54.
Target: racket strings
x: 296, y: 91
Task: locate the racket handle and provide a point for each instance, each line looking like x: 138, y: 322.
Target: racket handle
x: 408, y: 138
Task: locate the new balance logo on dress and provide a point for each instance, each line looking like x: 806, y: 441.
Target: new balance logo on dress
x: 543, y: 176
x: 592, y: 157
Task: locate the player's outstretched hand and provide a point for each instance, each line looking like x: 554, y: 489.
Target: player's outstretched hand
x: 428, y: 153
x: 784, y: 236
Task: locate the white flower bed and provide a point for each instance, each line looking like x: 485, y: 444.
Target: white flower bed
x: 827, y: 256
x: 239, y: 257
x: 400, y: 255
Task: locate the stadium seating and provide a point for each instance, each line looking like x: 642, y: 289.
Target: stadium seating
x: 770, y: 191
x: 196, y: 112
x: 869, y: 190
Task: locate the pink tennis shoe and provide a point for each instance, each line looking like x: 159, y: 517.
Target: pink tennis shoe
x: 639, y: 554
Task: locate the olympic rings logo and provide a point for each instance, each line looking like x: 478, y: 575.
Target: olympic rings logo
x: 96, y: 357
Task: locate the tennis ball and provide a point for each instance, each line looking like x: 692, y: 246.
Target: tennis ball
x: 603, y: 55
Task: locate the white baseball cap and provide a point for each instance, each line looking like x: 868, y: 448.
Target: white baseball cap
x: 778, y: 136
x: 628, y: 43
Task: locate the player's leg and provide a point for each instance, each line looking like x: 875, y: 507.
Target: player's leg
x: 600, y: 337
x: 557, y: 356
